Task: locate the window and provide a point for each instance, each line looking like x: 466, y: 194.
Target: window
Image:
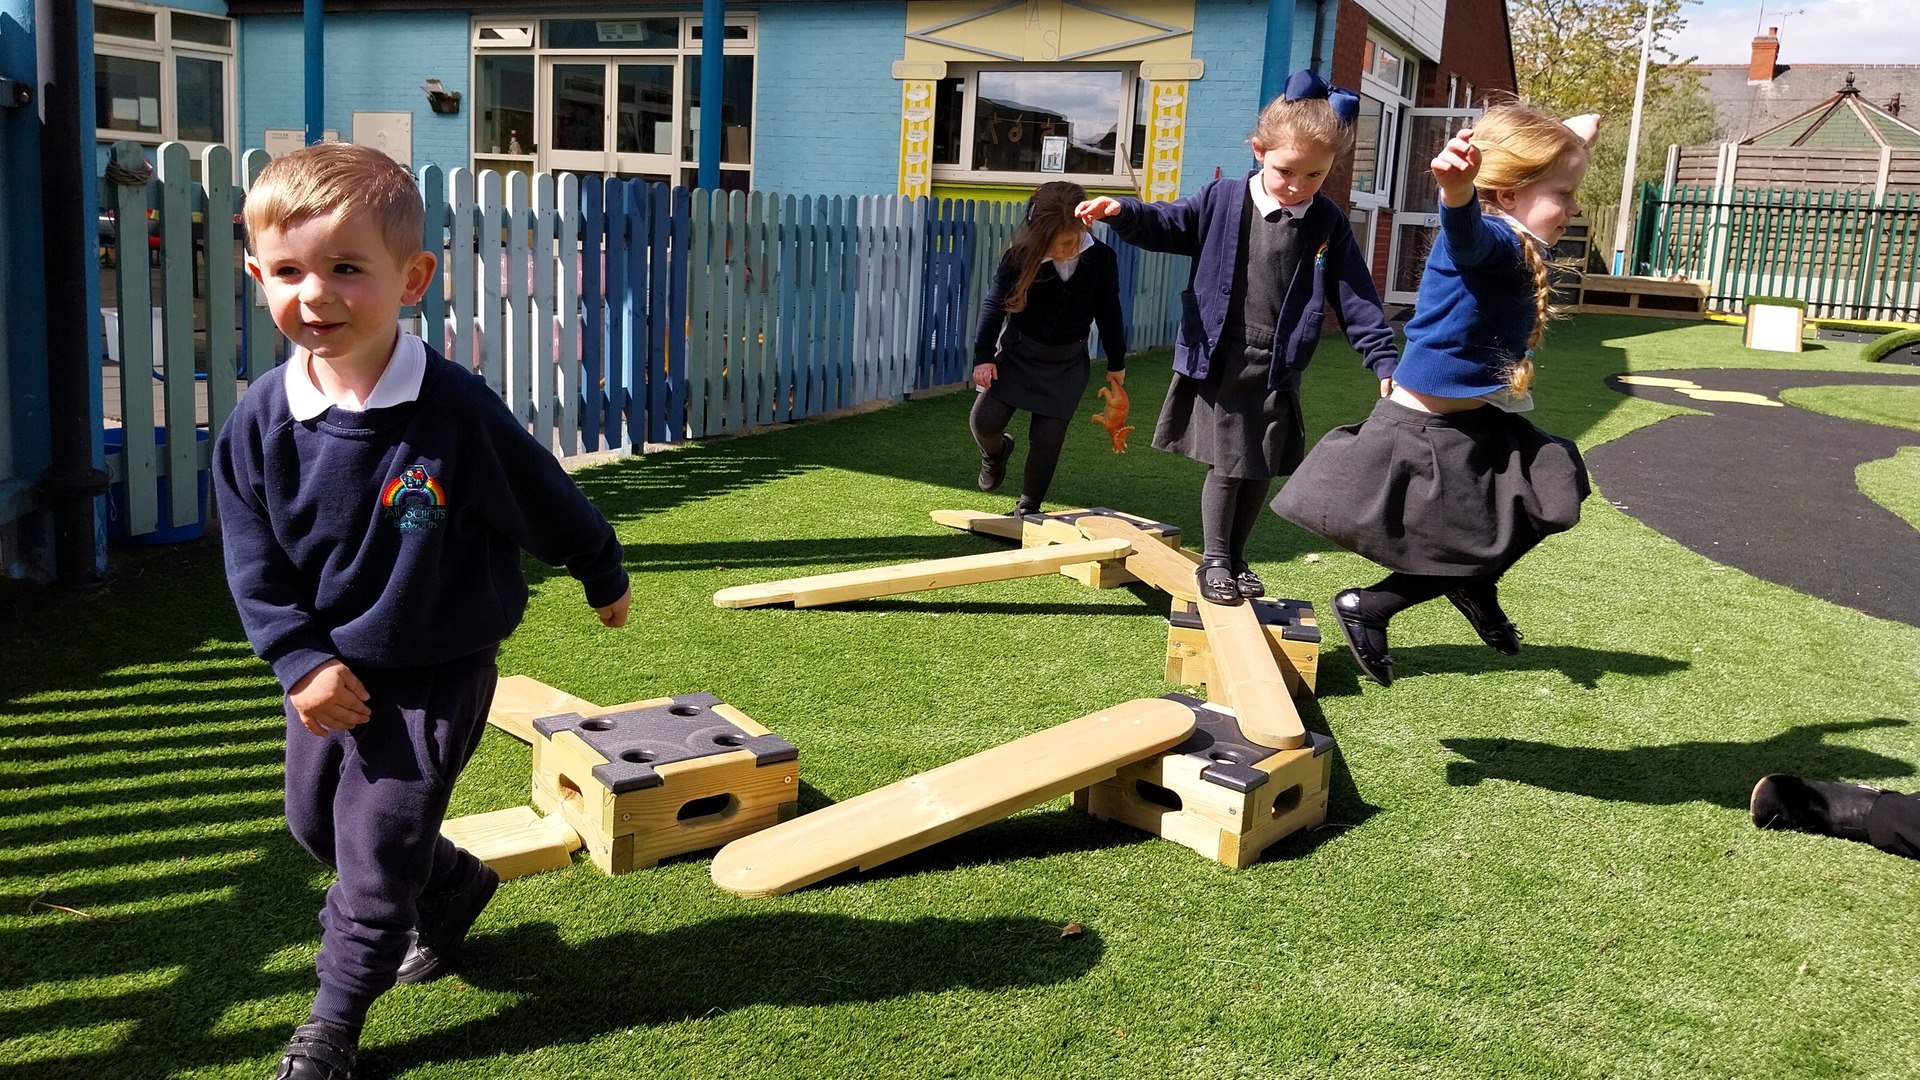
x: 616, y: 94
x: 1373, y: 147
x: 1388, y: 73
x: 162, y: 75
x: 1030, y: 124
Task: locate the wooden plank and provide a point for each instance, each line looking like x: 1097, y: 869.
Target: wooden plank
x: 942, y: 803
x: 594, y: 306
x: 1153, y: 562
x: 492, y: 238
x: 1247, y: 678
x: 517, y: 354
x: 461, y: 346
x: 919, y: 576
x: 133, y: 280
x: 516, y: 841
x: 216, y: 167
x: 677, y: 412
x: 567, y: 317
x: 1003, y: 526
x: 433, y: 240
x: 176, y: 282
x: 543, y: 410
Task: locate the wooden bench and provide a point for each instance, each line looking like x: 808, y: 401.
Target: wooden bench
x: 1608, y: 294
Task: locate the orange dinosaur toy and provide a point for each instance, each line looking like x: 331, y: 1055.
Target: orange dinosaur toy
x: 1113, y: 416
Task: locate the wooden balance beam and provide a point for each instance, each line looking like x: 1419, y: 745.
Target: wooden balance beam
x: 1246, y: 677
x: 920, y: 576
x: 922, y: 810
x: 1151, y: 561
x: 519, y: 700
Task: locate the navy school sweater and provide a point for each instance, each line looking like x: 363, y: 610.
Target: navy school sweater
x: 1206, y: 225
x: 392, y: 538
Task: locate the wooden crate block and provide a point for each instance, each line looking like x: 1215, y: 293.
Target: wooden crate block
x: 1292, y: 632
x: 1611, y: 294
x: 685, y: 775
x: 1775, y: 327
x: 1216, y: 793
x: 516, y: 841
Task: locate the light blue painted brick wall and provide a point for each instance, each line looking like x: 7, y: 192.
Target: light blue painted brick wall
x: 374, y: 63
x: 1230, y: 35
x: 828, y: 115
x: 204, y: 7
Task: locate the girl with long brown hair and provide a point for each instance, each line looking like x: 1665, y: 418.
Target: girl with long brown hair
x: 1030, y: 350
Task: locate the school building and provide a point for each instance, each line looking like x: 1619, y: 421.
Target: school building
x: 980, y: 99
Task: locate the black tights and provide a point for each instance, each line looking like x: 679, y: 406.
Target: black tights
x: 1229, y: 508
x: 1397, y: 592
x: 1045, y: 436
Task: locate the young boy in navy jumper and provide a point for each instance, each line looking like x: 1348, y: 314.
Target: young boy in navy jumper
x: 374, y: 502
x: 1269, y: 252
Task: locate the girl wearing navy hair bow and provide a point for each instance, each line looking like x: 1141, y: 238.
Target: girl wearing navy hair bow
x: 1269, y: 254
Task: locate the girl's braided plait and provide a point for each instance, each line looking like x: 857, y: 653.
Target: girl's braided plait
x: 1520, y: 375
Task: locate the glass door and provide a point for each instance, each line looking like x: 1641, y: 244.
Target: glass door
x: 1416, y: 219
x: 612, y: 117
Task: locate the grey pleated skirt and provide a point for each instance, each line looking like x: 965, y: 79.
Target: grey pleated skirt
x: 1455, y: 495
x: 1231, y: 420
x: 1045, y: 380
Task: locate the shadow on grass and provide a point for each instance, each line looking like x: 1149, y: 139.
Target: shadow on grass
x: 574, y: 992
x: 1721, y: 773
x: 1584, y: 667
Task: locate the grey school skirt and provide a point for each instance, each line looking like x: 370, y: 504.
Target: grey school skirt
x: 1045, y: 380
x: 1455, y: 495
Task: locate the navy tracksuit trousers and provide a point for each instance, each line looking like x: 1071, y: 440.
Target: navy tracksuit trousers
x: 369, y: 802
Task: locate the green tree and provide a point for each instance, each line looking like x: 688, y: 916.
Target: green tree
x: 1580, y: 56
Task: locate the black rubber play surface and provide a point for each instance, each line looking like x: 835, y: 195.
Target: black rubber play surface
x: 1769, y: 490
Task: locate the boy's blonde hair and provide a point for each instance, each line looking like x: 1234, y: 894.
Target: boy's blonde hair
x: 1521, y: 145
x: 338, y: 181
x: 1305, y: 122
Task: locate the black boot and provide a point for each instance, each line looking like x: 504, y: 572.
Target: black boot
x: 1366, y: 639
x: 993, y: 467
x: 444, y: 922
x: 319, y: 1051
x: 1482, y: 609
x: 1821, y: 807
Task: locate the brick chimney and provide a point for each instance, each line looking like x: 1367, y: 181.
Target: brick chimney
x: 1766, y: 52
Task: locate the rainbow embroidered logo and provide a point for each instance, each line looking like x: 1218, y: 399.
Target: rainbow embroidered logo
x: 414, y: 500
x: 1320, y: 257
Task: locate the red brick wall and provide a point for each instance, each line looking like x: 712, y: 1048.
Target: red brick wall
x: 1382, y: 248
x: 1349, y: 49
x: 1475, y: 46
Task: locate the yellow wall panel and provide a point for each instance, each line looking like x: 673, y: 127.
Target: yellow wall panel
x: 1049, y: 31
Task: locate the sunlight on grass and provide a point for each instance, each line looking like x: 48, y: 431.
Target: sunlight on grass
x: 1892, y: 406
x: 1894, y: 483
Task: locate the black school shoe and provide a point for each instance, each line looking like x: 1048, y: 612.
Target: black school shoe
x: 1367, y: 643
x: 1214, y: 577
x: 434, y: 950
x: 993, y: 467
x: 1780, y: 801
x: 1489, y: 621
x: 1249, y: 583
x: 318, y: 1051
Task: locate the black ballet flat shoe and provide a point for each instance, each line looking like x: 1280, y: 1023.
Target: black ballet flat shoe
x: 1367, y: 643
x: 993, y: 467
x: 1820, y: 807
x: 1249, y: 583
x: 318, y: 1051
x: 1215, y: 579
x: 1023, y: 508
x: 1489, y: 622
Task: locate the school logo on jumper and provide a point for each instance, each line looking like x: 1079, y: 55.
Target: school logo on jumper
x: 1320, y: 257
x: 414, y: 499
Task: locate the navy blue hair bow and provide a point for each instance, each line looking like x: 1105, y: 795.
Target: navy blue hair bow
x: 1304, y: 85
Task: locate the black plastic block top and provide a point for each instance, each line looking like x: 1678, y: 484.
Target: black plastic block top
x: 1286, y: 614
x: 1217, y: 740
x: 635, y: 741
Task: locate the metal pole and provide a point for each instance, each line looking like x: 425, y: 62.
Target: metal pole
x: 316, y: 79
x: 71, y: 484
x: 1633, y: 148
x: 713, y: 39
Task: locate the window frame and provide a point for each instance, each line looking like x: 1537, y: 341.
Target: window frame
x: 1394, y: 98
x: 962, y: 172
x: 496, y: 37
x: 164, y: 51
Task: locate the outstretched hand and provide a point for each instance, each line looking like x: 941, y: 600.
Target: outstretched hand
x: 1586, y: 125
x: 1455, y: 167
x: 1096, y: 209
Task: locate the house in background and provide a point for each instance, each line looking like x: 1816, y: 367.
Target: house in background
x: 1762, y: 94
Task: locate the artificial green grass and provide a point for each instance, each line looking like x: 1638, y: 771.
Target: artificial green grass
x: 1894, y: 483
x: 1892, y: 406
x: 1537, y: 866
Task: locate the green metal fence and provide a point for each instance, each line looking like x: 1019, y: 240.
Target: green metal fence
x: 1843, y: 252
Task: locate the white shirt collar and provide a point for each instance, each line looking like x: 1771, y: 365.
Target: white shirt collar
x: 399, y: 383
x: 1265, y: 204
x: 1064, y: 267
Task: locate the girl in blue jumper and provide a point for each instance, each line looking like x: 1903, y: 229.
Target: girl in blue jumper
x: 1269, y: 251
x: 1446, y: 484
x: 1030, y: 351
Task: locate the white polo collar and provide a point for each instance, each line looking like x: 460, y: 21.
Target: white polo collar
x: 399, y: 383
x: 1265, y: 204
